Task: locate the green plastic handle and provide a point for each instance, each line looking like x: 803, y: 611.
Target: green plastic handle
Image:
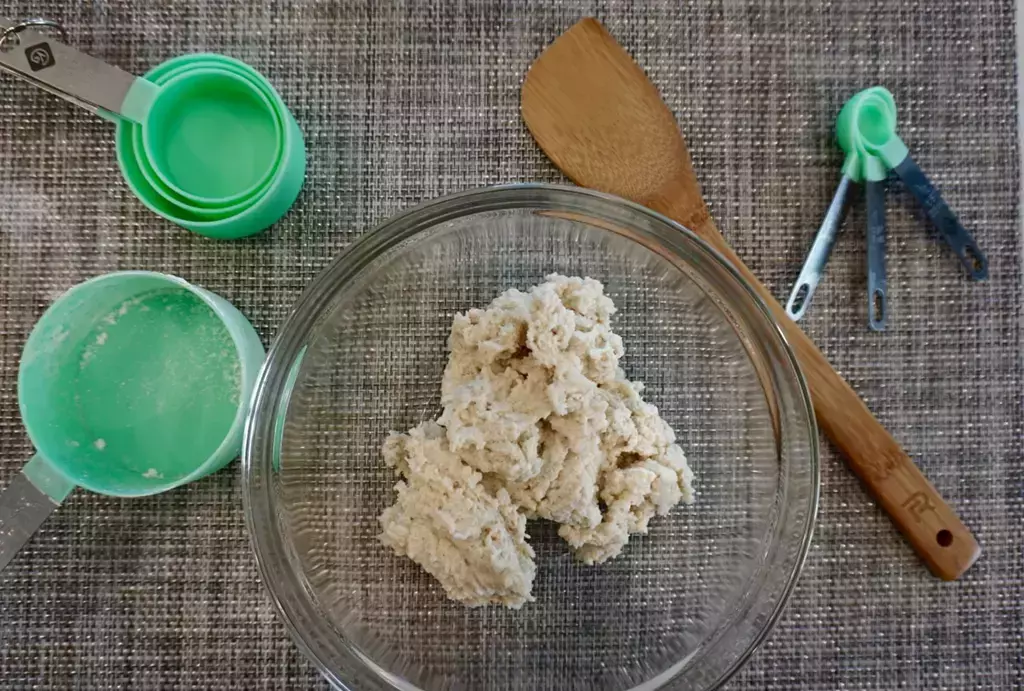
x: 139, y: 100
x: 47, y: 479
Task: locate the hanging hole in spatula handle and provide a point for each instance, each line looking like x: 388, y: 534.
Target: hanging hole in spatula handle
x: 934, y: 529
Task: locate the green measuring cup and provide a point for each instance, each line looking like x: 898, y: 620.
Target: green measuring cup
x: 210, y: 135
x: 867, y: 128
x: 211, y: 138
x: 130, y: 384
x: 249, y: 216
x: 212, y: 208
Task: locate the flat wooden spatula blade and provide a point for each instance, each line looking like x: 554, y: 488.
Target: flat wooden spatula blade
x: 600, y: 119
x: 595, y: 114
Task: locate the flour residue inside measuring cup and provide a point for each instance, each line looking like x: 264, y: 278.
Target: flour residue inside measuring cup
x: 158, y: 385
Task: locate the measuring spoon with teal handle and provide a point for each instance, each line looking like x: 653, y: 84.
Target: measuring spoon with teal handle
x: 821, y: 249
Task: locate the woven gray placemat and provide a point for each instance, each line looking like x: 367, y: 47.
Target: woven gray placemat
x: 404, y: 101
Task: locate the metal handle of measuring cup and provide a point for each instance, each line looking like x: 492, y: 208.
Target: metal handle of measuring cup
x: 26, y: 503
x: 29, y: 52
x: 817, y: 257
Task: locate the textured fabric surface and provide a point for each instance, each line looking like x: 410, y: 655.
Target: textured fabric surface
x: 401, y: 102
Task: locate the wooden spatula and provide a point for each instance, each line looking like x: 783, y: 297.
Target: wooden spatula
x: 597, y: 116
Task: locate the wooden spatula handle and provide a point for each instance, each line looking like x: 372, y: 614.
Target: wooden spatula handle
x: 595, y: 113
x: 929, y: 524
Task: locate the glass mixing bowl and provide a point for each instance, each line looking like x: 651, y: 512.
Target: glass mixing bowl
x: 363, y: 353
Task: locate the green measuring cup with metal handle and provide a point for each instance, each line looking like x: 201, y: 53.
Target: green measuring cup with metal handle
x: 210, y: 208
x: 271, y: 202
x: 130, y: 384
x: 208, y: 134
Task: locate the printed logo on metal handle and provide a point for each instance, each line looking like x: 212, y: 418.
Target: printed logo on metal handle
x: 39, y: 57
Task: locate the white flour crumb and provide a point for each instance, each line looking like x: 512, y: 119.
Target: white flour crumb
x: 152, y: 474
x: 100, y: 444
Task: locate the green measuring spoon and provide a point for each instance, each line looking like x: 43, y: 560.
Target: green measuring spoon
x: 870, y: 110
x: 868, y: 126
x: 866, y: 130
x: 130, y: 384
x: 859, y: 166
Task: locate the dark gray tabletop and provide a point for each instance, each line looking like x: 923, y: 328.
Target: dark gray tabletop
x: 404, y: 101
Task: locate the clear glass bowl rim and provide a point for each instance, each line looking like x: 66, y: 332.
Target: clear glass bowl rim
x: 293, y: 603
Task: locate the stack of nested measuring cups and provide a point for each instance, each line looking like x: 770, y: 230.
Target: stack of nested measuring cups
x: 203, y: 140
x: 220, y: 154
x: 136, y: 382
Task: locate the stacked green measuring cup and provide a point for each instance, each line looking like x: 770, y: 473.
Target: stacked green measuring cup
x: 136, y: 382
x: 203, y: 140
x: 219, y: 153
